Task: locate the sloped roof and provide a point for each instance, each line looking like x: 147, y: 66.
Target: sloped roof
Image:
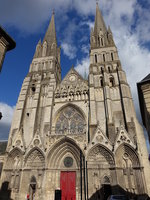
x: 141, y: 97
x: 11, y: 42
x: 147, y: 78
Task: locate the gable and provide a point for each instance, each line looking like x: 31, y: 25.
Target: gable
x: 72, y: 84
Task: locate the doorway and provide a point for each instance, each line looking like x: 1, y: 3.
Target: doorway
x: 68, y: 185
x: 106, y: 191
x: 32, y: 188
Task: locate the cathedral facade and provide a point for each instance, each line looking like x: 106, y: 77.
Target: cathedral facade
x: 75, y: 137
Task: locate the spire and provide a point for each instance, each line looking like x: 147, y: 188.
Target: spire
x: 50, y: 36
x: 99, y: 22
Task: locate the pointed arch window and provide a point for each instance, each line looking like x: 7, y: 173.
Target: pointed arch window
x: 95, y: 58
x: 101, y: 82
x: 111, y: 81
x: 102, y: 43
x: 70, y: 121
x: 112, y: 56
x: 109, y: 69
x: 104, y: 59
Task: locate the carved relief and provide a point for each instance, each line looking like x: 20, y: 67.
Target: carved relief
x: 73, y: 87
x: 100, y: 155
x: 123, y: 137
x: 35, y: 159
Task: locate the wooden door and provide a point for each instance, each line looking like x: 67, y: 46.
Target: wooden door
x: 68, y: 185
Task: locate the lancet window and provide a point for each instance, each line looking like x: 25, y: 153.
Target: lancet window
x: 70, y: 121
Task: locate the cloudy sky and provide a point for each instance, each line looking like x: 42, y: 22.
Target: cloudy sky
x: 27, y: 21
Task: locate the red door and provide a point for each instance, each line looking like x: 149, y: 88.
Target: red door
x: 68, y: 185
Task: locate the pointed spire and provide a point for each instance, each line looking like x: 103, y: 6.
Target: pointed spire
x: 50, y: 36
x: 99, y: 21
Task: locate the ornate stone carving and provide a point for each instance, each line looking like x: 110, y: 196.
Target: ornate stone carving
x: 35, y: 159
x: 101, y: 155
x: 36, y: 142
x: 70, y: 121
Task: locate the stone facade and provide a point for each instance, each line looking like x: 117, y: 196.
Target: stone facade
x: 6, y: 44
x: 73, y: 130
x: 144, y: 100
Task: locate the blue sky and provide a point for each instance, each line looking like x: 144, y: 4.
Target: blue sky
x: 27, y: 21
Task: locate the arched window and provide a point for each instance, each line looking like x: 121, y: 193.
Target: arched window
x: 95, y: 58
x: 102, y: 42
x: 101, y: 81
x: 104, y: 57
x: 112, y: 56
x: 109, y: 70
x: 70, y: 121
x: 102, y: 70
x: 111, y: 81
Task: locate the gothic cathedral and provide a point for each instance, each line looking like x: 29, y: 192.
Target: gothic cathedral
x: 74, y: 137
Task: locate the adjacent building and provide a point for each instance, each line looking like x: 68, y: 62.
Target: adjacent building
x: 6, y: 44
x: 74, y: 137
x: 144, y: 101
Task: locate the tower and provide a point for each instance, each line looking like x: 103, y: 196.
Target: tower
x: 74, y: 137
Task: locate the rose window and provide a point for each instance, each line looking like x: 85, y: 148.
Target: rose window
x: 70, y: 121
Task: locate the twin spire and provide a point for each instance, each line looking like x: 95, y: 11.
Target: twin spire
x: 99, y: 22
x: 100, y: 37
x: 49, y: 45
x: 50, y: 36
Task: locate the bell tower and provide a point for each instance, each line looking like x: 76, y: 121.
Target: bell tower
x: 111, y: 103
x: 34, y: 106
x: 110, y: 94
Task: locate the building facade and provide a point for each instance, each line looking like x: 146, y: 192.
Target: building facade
x: 76, y: 136
x: 6, y: 44
x: 144, y: 101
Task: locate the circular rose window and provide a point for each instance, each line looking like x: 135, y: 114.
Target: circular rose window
x: 68, y: 162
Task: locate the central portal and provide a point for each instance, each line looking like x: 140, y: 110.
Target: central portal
x: 68, y: 185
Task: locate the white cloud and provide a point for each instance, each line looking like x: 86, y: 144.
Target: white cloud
x: 69, y: 50
x: 29, y: 16
x: 82, y: 67
x: 142, y: 24
x: 5, y: 122
x: 85, y: 49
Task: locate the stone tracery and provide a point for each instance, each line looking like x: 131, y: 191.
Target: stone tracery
x: 35, y: 159
x: 70, y: 121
